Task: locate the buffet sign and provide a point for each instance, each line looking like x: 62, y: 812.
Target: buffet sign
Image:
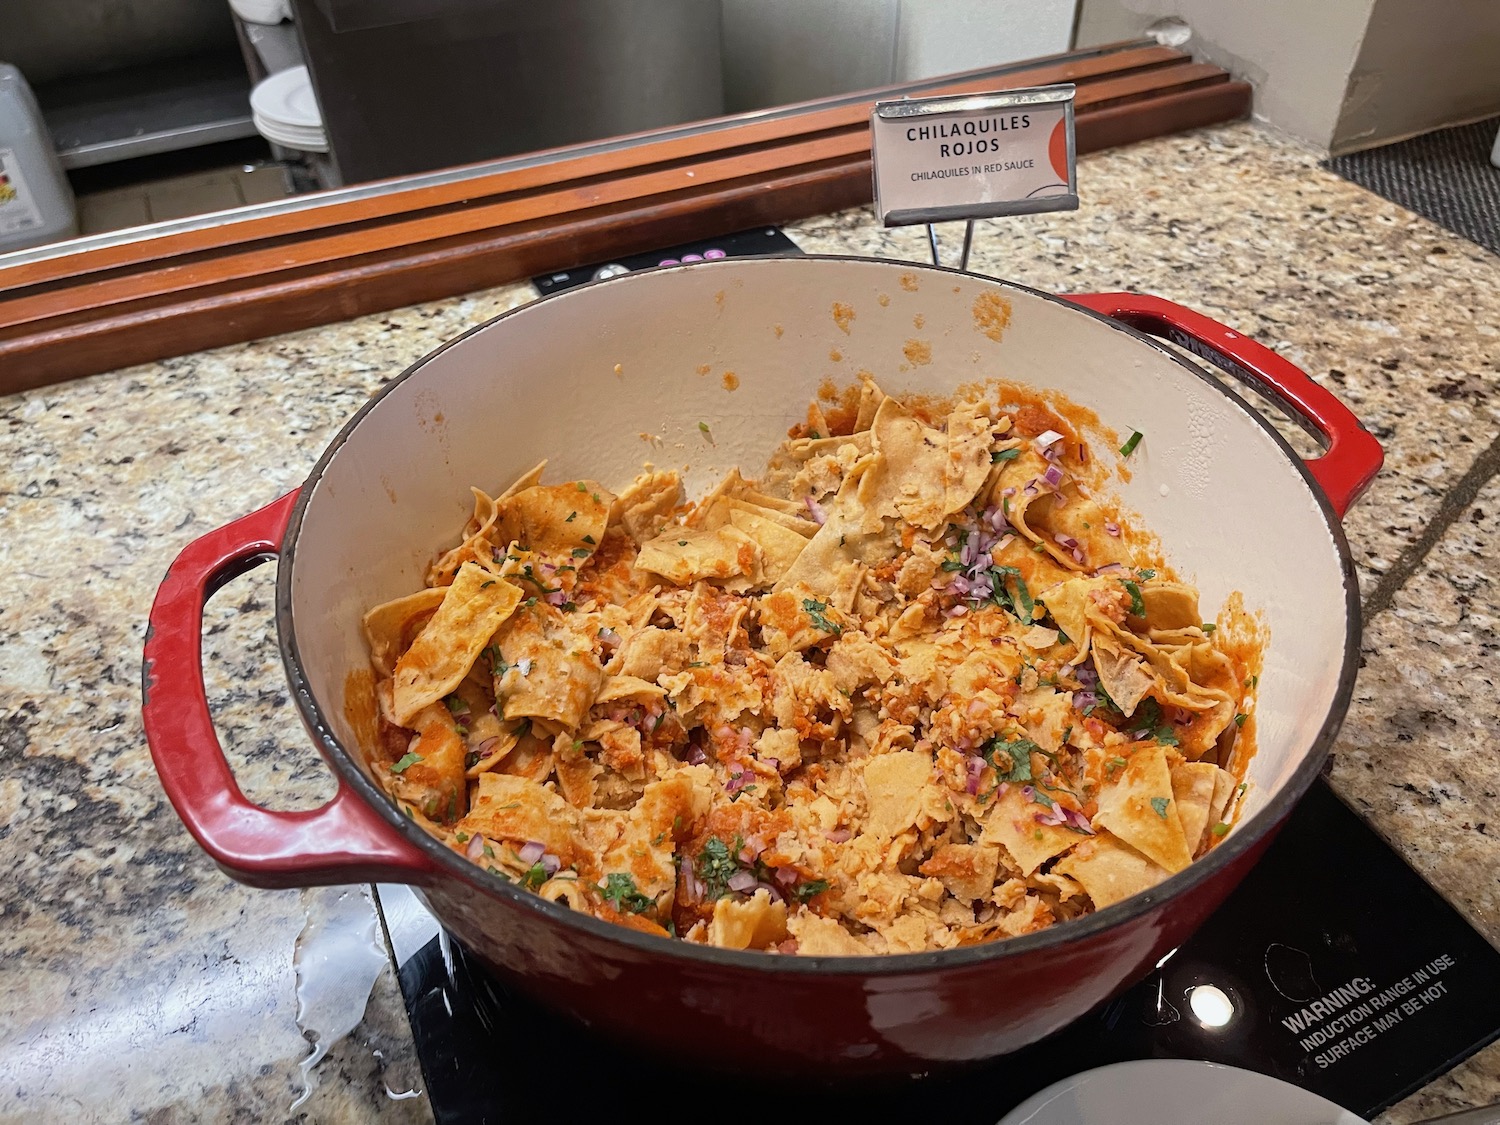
x: 974, y: 156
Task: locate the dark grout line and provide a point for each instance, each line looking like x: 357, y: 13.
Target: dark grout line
x: 1458, y: 498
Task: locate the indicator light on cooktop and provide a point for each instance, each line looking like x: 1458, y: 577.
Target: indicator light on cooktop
x: 1211, y: 1005
x: 614, y: 269
x: 669, y: 262
x: 714, y: 254
x: 692, y: 257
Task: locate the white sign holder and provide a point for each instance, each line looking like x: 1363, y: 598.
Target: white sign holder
x: 972, y: 157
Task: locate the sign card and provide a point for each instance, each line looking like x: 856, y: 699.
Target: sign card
x: 974, y: 156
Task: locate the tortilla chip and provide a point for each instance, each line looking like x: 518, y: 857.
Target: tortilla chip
x: 1110, y: 870
x: 913, y: 460
x: 683, y: 555
x: 518, y: 810
x: 1138, y: 806
x: 390, y: 627
x: 1193, y: 788
x: 528, y: 479
x: 870, y: 398
x: 646, y: 505
x: 753, y: 924
x: 1225, y: 784
x: 805, y: 528
x: 473, y: 607
x: 1013, y: 825
x: 967, y: 871
x: 824, y: 937
x: 893, y: 786
x: 779, y: 545
x: 555, y: 520
x: 560, y: 675
x: 1121, y: 674
x: 1170, y: 605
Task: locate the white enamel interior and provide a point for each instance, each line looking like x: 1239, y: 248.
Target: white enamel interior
x: 578, y: 378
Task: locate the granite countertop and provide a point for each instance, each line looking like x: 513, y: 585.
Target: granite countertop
x: 139, y: 983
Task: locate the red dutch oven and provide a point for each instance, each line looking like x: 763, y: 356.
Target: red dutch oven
x: 602, y: 378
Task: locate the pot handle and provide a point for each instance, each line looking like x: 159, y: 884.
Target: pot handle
x: 1351, y: 455
x: 345, y: 841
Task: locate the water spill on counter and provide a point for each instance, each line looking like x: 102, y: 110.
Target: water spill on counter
x: 339, y: 956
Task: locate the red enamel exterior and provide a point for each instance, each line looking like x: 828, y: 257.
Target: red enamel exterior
x: 1352, y: 456
x: 807, y: 1015
x: 342, y: 842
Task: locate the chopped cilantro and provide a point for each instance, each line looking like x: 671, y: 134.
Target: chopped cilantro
x: 1239, y: 720
x: 807, y: 890
x: 582, y: 487
x: 580, y: 552
x: 1130, y: 443
x: 703, y: 428
x: 1159, y: 806
x: 406, y: 762
x: 486, y: 585
x: 950, y: 565
x: 1012, y: 760
x: 528, y: 603
x: 816, y: 610
x: 1221, y: 829
x: 1137, y: 604
x: 571, y: 517
x: 659, y: 720
x: 620, y: 891
x: 461, y: 837
x: 568, y: 607
x: 523, y: 728
x: 716, y: 864
x: 588, y: 539
x: 536, y: 876
x: 1004, y: 455
x: 1113, y: 766
x: 1145, y: 575
x: 1040, y: 798
x: 455, y: 704
x: 814, y: 434
x: 1209, y: 627
x: 489, y: 852
x: 682, y: 542
x: 1252, y: 681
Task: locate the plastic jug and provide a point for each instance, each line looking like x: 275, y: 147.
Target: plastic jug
x: 36, y: 203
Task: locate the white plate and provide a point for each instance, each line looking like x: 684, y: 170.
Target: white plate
x: 287, y: 98
x: 1176, y: 1092
x: 306, y: 140
x: 261, y: 11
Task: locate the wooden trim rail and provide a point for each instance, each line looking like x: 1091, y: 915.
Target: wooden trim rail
x: 274, y: 269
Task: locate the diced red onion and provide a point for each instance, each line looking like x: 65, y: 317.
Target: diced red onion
x: 484, y: 748
x: 1083, y: 454
x: 956, y: 611
x: 939, y: 584
x: 742, y: 881
x: 1031, y: 488
x: 550, y: 568
x: 1007, y: 492
x: 1052, y: 453
x: 1053, y: 475
x: 696, y: 756
x: 551, y: 864
x: 1111, y: 528
x: 1110, y: 568
x: 1059, y: 500
x: 1084, y: 700
x: 1079, y: 821
x: 738, y: 781
x: 773, y: 891
x: 815, y: 510
x: 475, y: 848
x: 1078, y: 555
x: 531, y: 851
x: 1028, y: 792
x: 786, y: 876
x: 1066, y: 541
x: 975, y: 772
x: 996, y: 516
x: 1142, y: 735
x: 966, y: 556
x: 774, y: 763
x: 959, y: 585
x: 556, y: 597
x: 609, y: 637
x: 1086, y: 675
x: 1046, y: 438
x: 1181, y: 716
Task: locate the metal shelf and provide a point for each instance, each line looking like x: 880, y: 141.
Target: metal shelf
x: 143, y: 111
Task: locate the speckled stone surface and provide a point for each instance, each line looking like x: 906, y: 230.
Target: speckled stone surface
x: 140, y: 984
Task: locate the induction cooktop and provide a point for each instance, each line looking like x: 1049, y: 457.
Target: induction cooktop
x: 1333, y: 966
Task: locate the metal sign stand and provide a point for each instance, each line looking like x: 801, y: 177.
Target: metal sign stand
x: 932, y: 240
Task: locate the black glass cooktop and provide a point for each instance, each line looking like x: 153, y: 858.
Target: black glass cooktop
x: 1333, y: 966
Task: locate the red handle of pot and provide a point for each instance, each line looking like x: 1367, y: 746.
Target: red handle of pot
x: 345, y: 841
x: 1351, y: 455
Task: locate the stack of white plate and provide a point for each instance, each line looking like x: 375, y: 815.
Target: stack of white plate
x: 285, y: 111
